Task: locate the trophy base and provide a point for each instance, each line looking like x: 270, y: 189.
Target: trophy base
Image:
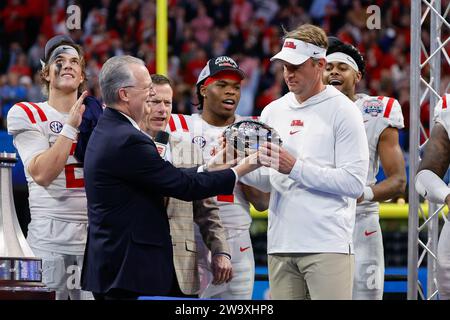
x: 20, y: 270
x: 27, y: 293
x: 21, y: 279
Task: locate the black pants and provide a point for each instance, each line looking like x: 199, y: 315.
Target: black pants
x: 121, y: 294
x: 175, y: 291
x: 117, y: 294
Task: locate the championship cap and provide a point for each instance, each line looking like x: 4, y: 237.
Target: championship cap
x: 219, y: 64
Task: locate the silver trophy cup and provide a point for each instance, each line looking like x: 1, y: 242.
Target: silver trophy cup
x: 18, y: 264
x: 247, y: 135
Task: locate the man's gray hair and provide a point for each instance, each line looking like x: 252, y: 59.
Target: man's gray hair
x: 116, y: 74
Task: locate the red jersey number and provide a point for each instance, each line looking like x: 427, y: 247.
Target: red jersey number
x: 69, y: 170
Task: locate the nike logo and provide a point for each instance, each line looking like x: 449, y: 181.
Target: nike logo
x: 293, y: 132
x: 369, y: 233
x: 243, y: 249
x: 366, y: 121
x: 315, y: 52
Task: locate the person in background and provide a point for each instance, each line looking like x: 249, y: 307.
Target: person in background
x: 183, y: 214
x: 218, y: 89
x: 429, y: 184
x: 382, y: 120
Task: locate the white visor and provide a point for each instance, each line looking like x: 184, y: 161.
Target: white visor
x: 296, y: 52
x: 343, y: 58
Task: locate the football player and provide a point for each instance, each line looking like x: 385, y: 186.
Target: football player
x: 218, y: 90
x: 432, y: 168
x: 45, y: 135
x: 382, y: 120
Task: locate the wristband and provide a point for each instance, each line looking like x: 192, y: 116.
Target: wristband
x: 368, y: 194
x: 224, y: 254
x: 69, y: 132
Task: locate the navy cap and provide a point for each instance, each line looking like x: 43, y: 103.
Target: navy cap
x: 54, y: 43
x: 219, y: 64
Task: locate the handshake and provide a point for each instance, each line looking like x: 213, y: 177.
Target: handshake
x: 246, y: 146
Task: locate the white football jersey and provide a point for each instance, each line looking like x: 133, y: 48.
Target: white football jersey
x: 378, y: 114
x: 35, y: 128
x: 234, y: 209
x: 442, y: 112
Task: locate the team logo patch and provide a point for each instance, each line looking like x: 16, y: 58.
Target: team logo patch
x: 296, y: 126
x: 56, y: 126
x: 373, y: 107
x: 200, y: 141
x: 290, y: 44
x: 297, y: 123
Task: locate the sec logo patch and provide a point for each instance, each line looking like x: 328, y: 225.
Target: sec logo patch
x: 200, y: 141
x: 56, y: 126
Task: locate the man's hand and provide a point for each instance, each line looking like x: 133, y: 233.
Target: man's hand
x: 273, y: 156
x: 76, y: 112
x: 247, y: 164
x: 225, y: 158
x: 221, y: 269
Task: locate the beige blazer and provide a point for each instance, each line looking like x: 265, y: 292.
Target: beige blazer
x: 182, y: 215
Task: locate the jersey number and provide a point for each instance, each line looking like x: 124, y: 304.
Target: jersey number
x: 69, y: 170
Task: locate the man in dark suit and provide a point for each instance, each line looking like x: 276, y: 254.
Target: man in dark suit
x: 129, y: 250
x: 185, y: 216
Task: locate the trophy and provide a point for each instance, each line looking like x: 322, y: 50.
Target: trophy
x: 20, y: 270
x: 247, y: 135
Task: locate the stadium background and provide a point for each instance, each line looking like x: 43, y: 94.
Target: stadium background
x: 248, y: 30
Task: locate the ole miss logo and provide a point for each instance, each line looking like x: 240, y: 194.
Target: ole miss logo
x: 296, y: 125
x: 290, y: 44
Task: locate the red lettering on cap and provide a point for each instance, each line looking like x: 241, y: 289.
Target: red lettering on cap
x: 290, y: 44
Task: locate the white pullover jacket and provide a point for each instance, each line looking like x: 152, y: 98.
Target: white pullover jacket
x: 312, y: 210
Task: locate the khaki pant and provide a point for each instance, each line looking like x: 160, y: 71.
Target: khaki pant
x: 321, y: 276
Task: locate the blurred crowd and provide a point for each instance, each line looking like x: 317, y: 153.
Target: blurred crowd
x: 248, y: 30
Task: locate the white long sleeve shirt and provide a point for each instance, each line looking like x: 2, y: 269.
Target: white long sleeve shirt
x: 313, y: 208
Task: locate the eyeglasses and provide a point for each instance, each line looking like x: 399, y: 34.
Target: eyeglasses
x: 137, y: 88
